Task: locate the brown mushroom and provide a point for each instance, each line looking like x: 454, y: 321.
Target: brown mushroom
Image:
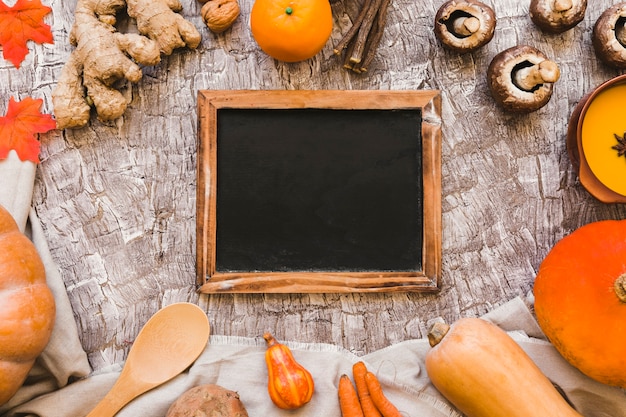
x: 464, y: 26
x: 557, y: 16
x: 609, y: 36
x: 521, y: 79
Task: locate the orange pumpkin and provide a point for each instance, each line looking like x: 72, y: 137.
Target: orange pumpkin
x: 291, y: 30
x: 27, y: 308
x: 580, y: 300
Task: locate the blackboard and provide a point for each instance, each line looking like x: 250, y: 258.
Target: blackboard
x: 318, y: 191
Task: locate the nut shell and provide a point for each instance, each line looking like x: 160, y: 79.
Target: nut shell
x: 606, y: 43
x: 504, y: 90
x: 219, y: 15
x: 462, y: 43
x: 547, y: 16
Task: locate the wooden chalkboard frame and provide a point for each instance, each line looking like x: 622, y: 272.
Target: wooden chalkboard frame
x: 428, y: 102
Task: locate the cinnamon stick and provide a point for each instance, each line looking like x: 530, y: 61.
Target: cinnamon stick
x: 361, y: 41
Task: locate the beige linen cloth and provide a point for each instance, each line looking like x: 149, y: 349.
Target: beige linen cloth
x: 62, y: 385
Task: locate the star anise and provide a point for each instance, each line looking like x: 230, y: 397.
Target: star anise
x: 621, y: 144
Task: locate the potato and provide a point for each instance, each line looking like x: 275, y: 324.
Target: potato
x: 209, y: 400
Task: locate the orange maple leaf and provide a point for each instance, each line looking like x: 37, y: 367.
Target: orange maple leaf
x: 18, y: 128
x: 22, y: 23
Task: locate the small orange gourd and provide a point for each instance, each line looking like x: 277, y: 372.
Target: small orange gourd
x: 480, y: 369
x: 580, y: 300
x: 289, y: 384
x: 27, y: 307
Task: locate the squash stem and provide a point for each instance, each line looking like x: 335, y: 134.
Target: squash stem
x: 620, y: 288
x: 437, y: 333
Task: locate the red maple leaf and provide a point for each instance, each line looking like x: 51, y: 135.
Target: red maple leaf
x: 19, y: 126
x: 22, y: 23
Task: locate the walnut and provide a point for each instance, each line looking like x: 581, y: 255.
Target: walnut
x: 219, y: 15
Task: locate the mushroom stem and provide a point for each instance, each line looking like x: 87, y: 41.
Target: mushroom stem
x: 529, y: 77
x: 466, y: 26
x: 562, y: 5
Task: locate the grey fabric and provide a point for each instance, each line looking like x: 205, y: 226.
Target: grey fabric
x: 238, y: 364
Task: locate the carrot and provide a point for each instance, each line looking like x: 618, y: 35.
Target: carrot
x: 348, y: 398
x: 358, y: 372
x: 382, y: 403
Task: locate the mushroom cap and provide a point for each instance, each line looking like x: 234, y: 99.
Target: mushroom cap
x: 545, y: 14
x: 453, y: 9
x: 504, y: 90
x: 607, y: 46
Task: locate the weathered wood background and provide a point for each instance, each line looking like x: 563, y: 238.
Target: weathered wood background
x: 117, y: 200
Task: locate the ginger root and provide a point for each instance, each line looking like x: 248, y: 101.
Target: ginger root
x: 104, y: 57
x: 157, y: 20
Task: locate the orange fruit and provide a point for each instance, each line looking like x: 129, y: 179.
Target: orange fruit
x: 291, y: 30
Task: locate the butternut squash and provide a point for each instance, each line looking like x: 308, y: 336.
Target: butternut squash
x: 480, y: 369
x: 27, y: 306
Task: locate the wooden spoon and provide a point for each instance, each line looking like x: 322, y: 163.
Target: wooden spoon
x: 167, y: 344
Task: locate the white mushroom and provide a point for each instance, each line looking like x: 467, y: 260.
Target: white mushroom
x: 464, y: 26
x: 556, y: 16
x: 521, y: 79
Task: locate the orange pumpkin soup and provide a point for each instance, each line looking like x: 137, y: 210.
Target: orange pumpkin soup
x: 603, y: 137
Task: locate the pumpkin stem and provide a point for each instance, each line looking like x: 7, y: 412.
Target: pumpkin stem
x: 437, y: 333
x: 620, y: 288
x: 269, y: 339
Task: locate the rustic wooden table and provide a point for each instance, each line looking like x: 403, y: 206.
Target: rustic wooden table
x: 118, y: 200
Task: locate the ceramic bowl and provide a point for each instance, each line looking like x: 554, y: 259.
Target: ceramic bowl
x: 602, y: 172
